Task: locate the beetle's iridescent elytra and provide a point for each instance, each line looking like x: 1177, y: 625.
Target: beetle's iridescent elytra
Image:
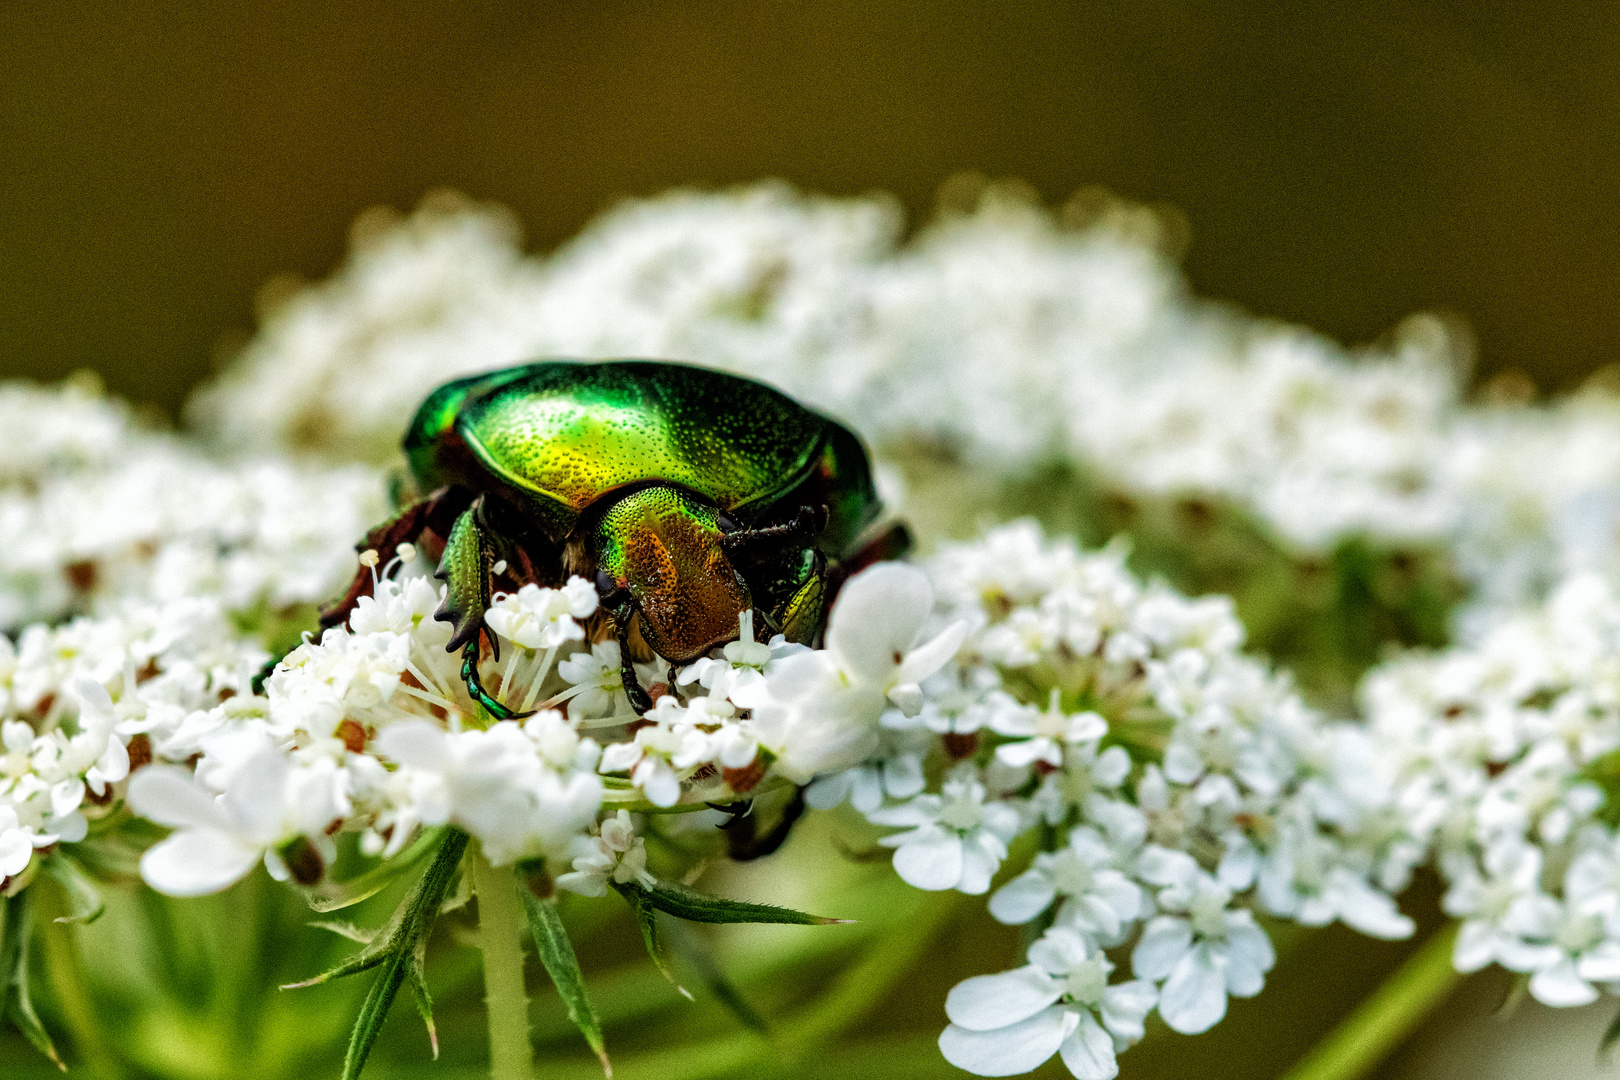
x: 686, y: 494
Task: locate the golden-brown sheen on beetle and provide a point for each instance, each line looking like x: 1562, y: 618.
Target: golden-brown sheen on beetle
x: 687, y: 494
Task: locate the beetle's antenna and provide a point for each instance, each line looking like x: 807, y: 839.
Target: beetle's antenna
x: 808, y: 522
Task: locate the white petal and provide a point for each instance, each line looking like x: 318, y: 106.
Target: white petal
x: 1089, y: 1051
x: 113, y: 765
x: 1111, y: 768
x: 1476, y: 946
x: 1010, y: 1050
x: 66, y: 796
x: 1022, y: 898
x: 800, y: 675
x: 1125, y: 1006
x: 979, y: 865
x: 196, y: 862
x: 1601, y: 963
x: 1244, y: 978
x: 1561, y: 987
x: 994, y: 1001
x: 933, y: 654
x: 69, y: 828
x: 1164, y: 942
x: 1364, y: 908
x: 1193, y: 999
x: 932, y: 863
x: 1182, y: 765
x: 94, y: 695
x: 15, y: 852
x: 415, y: 742
x: 169, y: 795
x: 908, y: 698
x: 826, y: 792
x: 877, y: 618
x: 1019, y: 754
x: 903, y: 776
x: 1239, y: 865
x: 1245, y: 937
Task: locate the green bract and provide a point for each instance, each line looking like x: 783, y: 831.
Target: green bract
x: 690, y: 496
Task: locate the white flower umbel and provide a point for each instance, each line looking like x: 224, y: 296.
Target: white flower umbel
x: 1062, y: 1003
x: 83, y: 703
x: 995, y: 332
x: 1173, y: 784
x: 160, y: 521
x: 1502, y: 760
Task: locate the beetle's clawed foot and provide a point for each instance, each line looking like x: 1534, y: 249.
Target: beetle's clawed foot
x: 743, y: 839
x: 475, y: 685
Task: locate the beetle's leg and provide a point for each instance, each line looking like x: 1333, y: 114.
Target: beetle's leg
x: 402, y: 528
x: 469, y: 556
x: 465, y: 570
x: 806, y: 524
x: 743, y: 841
x: 475, y: 685
x: 892, y: 541
x: 801, y: 615
x: 640, y: 700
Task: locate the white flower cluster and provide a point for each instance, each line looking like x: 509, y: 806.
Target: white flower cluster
x: 84, y: 703
x: 1504, y: 762
x: 1539, y: 498
x: 1171, y: 785
x: 95, y: 512
x: 51, y: 430
x: 996, y: 333
x: 370, y: 730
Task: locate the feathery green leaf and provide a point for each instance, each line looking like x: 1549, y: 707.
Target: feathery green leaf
x: 557, y: 956
x: 689, y: 904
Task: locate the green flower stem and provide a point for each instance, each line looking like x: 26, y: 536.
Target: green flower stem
x: 65, y: 970
x: 1389, y: 1015
x: 500, y: 928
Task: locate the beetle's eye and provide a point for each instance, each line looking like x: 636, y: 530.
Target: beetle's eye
x: 608, y: 589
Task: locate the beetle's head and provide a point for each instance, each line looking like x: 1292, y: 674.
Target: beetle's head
x: 662, y: 546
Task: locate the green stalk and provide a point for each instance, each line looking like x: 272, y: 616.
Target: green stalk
x: 1387, y: 1017
x: 500, y: 929
x: 65, y: 969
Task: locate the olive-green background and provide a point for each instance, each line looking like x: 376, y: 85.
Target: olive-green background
x: 1341, y: 163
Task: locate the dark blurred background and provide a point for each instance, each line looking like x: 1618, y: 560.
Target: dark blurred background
x: 1340, y: 163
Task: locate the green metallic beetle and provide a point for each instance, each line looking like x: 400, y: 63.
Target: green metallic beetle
x: 687, y: 495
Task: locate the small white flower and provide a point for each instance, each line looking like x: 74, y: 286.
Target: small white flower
x: 957, y: 839
x: 1042, y: 735
x: 1061, y: 1003
x: 220, y: 837
x: 1098, y: 898
x: 598, y: 684
x: 537, y: 618
x: 497, y: 785
x: 1202, y: 952
x: 614, y: 855
x: 825, y: 706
